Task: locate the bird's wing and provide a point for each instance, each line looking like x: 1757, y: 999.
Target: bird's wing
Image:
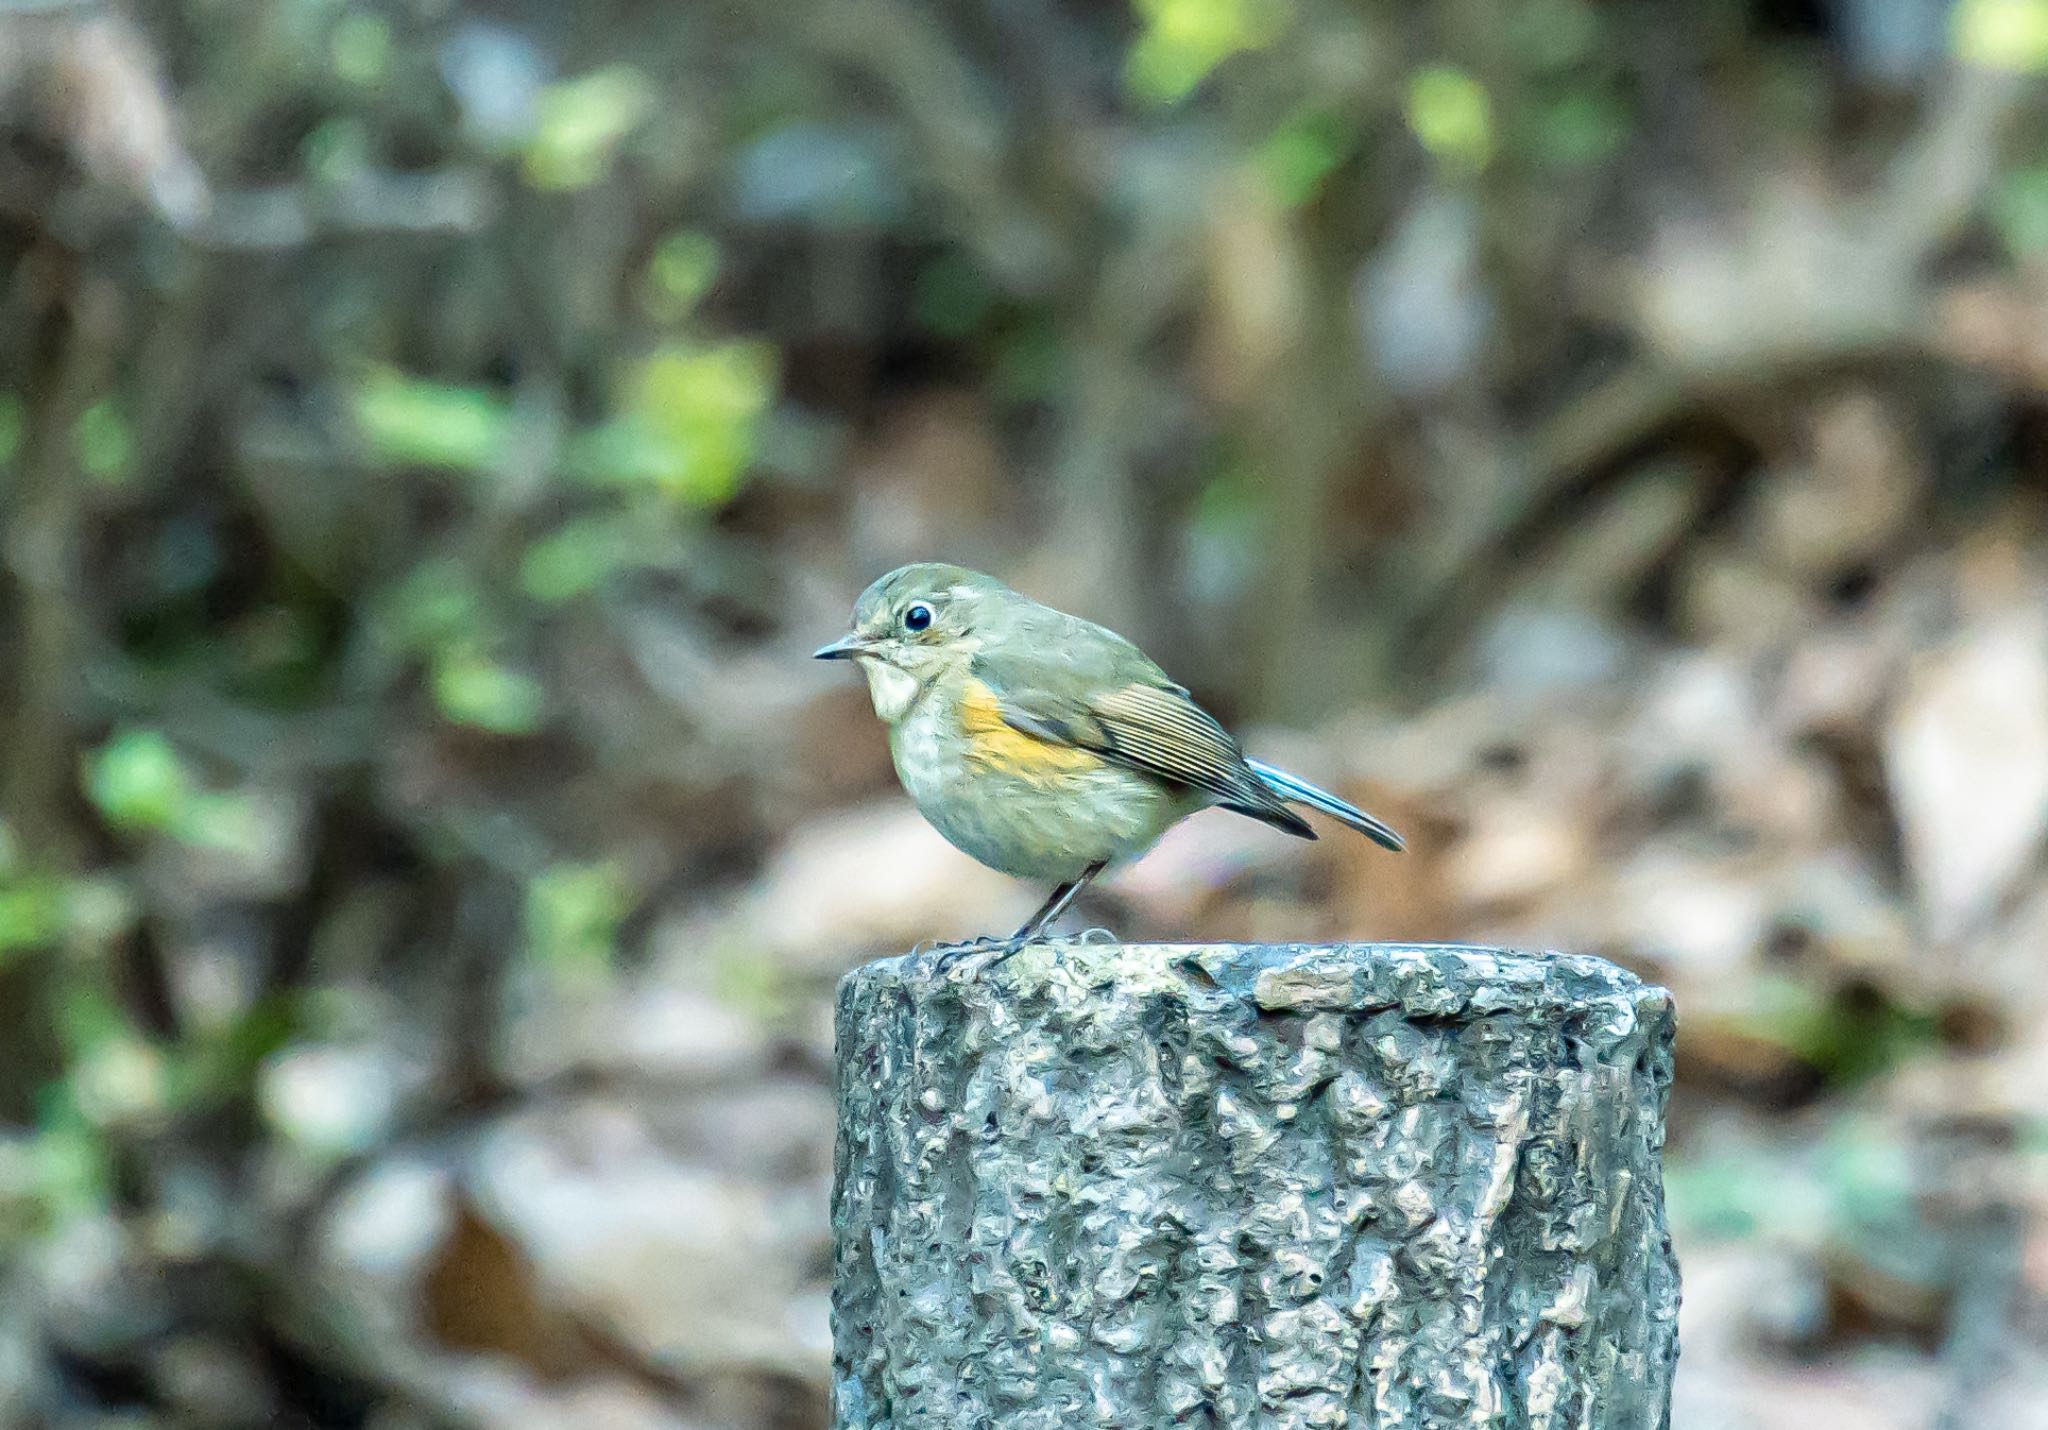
x: 1154, y: 728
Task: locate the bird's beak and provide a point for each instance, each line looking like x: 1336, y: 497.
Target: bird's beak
x: 845, y: 648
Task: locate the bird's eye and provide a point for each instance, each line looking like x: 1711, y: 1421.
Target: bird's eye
x: 917, y: 617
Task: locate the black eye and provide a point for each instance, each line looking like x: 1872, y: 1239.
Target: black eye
x: 917, y: 617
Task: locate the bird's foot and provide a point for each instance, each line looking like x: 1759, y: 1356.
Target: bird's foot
x: 1002, y: 948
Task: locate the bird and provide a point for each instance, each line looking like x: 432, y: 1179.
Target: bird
x: 1044, y: 745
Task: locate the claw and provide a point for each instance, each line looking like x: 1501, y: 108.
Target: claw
x: 952, y: 954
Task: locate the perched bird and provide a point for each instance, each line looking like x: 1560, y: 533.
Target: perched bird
x: 1046, y: 746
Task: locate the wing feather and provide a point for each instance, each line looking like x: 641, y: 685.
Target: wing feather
x: 1158, y: 730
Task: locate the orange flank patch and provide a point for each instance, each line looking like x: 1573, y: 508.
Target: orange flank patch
x: 993, y: 742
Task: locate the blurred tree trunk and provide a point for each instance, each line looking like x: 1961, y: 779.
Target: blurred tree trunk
x: 71, y: 363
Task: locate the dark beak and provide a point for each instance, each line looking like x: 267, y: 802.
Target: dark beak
x: 845, y: 648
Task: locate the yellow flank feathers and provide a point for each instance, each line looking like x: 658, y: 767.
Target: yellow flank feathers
x: 993, y: 742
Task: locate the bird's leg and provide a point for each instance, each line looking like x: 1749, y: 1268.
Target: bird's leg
x: 1054, y: 906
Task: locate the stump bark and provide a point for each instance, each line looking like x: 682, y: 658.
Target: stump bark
x: 1223, y: 1186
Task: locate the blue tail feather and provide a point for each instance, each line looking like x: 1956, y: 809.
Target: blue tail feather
x: 1300, y: 791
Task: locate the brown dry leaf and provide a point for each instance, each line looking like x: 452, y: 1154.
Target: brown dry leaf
x: 1379, y: 895
x: 1725, y: 1383
x: 1610, y: 551
x: 1177, y: 886
x: 1859, y: 492
x: 1999, y: 325
x: 1516, y: 850
x: 479, y: 1295
x: 1846, y: 501
x: 93, y: 82
x: 687, y: 1268
x: 652, y: 1029
x: 1836, y: 905
x: 1778, y: 795
x: 1702, y: 917
x: 1730, y: 599
x: 876, y: 879
x: 2001, y: 972
x: 1806, y: 271
x: 1835, y: 684
x: 1966, y: 755
x: 484, y: 1394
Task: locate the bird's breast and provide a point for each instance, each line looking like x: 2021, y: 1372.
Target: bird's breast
x: 1026, y: 806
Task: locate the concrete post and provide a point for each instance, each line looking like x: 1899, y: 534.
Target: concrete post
x: 1230, y: 1187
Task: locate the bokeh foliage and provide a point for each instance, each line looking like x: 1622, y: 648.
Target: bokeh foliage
x: 406, y: 547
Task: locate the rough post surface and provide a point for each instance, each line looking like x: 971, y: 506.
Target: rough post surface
x: 1230, y: 1187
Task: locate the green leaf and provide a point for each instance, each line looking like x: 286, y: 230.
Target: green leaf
x: 625, y: 451
x: 473, y: 690
x: 362, y: 47
x: 121, y: 1079
x: 87, y: 1015
x: 337, y: 149
x: 952, y: 297
x: 760, y: 987
x: 1299, y: 155
x: 31, y: 916
x: 1184, y: 40
x: 73, y: 1167
x: 1579, y: 129
x: 1232, y: 503
x: 573, y: 561
x: 102, y: 442
x: 1550, y: 35
x: 2019, y: 211
x: 407, y: 421
x: 692, y: 421
x: 681, y: 273
x: 138, y: 781
x: 2010, y: 35
x: 13, y: 425
x: 228, y: 822
x: 581, y: 125
x: 1451, y: 114
x: 221, y: 1061
x: 573, y: 914
x: 436, y: 606
x: 1032, y: 362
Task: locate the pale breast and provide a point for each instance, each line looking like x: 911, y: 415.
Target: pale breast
x: 1051, y: 826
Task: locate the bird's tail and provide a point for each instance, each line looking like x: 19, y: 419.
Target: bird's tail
x: 1300, y: 791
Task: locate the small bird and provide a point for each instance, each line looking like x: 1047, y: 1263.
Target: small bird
x: 1046, y: 746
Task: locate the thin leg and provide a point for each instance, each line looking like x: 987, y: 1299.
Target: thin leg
x: 1054, y: 906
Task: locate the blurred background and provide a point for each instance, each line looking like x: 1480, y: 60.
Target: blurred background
x: 1609, y: 440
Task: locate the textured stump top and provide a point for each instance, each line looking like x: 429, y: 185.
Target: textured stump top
x: 1426, y: 980
x: 1289, y: 1187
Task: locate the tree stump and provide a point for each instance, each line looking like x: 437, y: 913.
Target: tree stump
x: 1225, y: 1186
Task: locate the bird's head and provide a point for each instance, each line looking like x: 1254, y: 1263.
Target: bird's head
x: 913, y: 625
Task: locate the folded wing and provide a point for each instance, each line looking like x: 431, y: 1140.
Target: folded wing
x: 1157, y: 730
